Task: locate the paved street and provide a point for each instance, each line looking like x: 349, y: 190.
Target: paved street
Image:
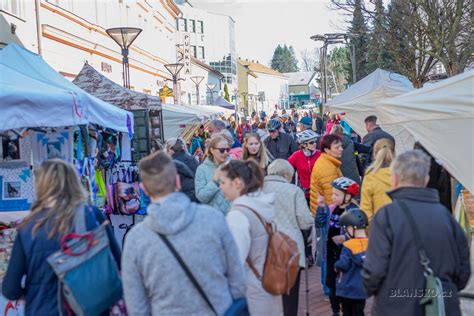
x: 317, y: 305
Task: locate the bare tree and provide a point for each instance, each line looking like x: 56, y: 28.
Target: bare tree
x: 310, y: 59
x: 448, y: 27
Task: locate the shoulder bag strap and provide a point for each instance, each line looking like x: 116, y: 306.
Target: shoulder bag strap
x: 187, y: 271
x: 424, y: 260
x: 268, y: 228
x: 79, y: 220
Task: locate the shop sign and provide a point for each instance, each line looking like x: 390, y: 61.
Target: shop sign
x: 187, y: 54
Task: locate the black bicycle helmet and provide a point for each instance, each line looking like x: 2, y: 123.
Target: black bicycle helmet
x: 274, y: 125
x: 354, y: 217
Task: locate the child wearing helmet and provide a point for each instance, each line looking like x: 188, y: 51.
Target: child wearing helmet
x: 332, y: 235
x: 349, y: 285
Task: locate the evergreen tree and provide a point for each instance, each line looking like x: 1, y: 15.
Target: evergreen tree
x: 226, y: 92
x: 359, y: 39
x: 377, y: 54
x: 284, y: 59
x: 339, y: 63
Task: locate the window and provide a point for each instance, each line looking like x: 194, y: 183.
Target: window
x: 193, y: 50
x: 15, y: 7
x: 201, y: 52
x: 200, y: 27
x: 182, y: 25
x: 192, y: 26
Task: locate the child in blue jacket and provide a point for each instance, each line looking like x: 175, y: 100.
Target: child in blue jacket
x: 349, y: 285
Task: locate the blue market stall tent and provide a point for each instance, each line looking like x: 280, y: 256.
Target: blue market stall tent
x: 44, y: 116
x: 32, y: 94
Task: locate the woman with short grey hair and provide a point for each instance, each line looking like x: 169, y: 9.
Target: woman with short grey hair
x: 291, y: 216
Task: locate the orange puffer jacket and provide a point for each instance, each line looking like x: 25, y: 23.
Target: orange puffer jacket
x: 325, y: 171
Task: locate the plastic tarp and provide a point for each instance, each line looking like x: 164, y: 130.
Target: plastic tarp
x: 441, y: 118
x: 359, y: 100
x: 176, y: 118
x: 93, y: 82
x: 32, y: 94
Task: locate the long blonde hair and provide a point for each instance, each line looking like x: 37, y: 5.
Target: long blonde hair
x: 261, y: 157
x: 384, y: 153
x: 59, y: 192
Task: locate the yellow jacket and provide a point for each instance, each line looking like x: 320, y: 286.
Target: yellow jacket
x: 325, y: 171
x: 374, y: 191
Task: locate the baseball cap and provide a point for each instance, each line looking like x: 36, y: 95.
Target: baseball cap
x: 306, y: 121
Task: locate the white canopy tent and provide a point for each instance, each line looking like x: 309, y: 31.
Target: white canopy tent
x: 176, y: 118
x: 359, y: 100
x: 441, y: 118
x: 32, y: 94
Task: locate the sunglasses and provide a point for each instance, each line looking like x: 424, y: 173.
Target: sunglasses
x: 222, y: 150
x: 311, y: 142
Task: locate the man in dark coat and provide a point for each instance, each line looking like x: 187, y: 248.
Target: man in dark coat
x: 374, y: 132
x: 279, y: 144
x: 186, y: 166
x: 392, y: 270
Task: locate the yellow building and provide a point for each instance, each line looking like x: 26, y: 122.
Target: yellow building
x: 260, y: 87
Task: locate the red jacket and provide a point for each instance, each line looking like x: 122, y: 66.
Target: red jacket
x: 241, y: 132
x: 304, y: 166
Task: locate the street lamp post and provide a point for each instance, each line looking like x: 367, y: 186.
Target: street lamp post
x: 124, y: 37
x: 197, y: 80
x: 174, y: 70
x: 327, y: 39
x: 236, y: 106
x: 210, y: 88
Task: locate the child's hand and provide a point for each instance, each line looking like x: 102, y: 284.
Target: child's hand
x: 321, y: 201
x: 338, y: 240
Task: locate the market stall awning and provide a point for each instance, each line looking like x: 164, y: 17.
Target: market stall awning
x: 441, y: 117
x: 177, y: 118
x: 93, y: 82
x: 32, y: 94
x: 360, y: 99
x: 220, y: 101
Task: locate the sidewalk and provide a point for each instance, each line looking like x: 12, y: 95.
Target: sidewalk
x: 317, y: 305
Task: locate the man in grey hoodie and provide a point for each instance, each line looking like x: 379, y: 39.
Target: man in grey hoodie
x: 154, y: 282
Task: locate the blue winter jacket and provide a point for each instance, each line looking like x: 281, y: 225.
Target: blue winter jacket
x: 349, y: 283
x: 207, y: 190
x: 28, y: 259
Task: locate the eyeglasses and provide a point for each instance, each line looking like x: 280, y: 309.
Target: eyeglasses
x: 222, y: 150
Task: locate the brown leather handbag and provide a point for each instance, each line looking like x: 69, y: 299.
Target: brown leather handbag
x: 281, y: 263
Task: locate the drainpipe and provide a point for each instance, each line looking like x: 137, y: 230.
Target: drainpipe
x: 38, y: 25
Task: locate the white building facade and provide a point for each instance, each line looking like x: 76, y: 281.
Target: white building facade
x: 212, y: 40
x: 68, y: 33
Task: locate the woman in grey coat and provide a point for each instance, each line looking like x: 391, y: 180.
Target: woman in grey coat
x: 291, y: 216
x: 205, y: 185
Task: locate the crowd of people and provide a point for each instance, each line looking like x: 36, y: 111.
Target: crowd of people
x: 203, y: 245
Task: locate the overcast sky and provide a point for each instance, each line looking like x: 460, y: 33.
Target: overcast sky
x: 263, y: 24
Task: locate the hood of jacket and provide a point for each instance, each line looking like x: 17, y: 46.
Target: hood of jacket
x: 383, y: 175
x: 358, y: 247
x: 171, y: 215
x: 426, y: 195
x: 209, y: 163
x: 262, y: 203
